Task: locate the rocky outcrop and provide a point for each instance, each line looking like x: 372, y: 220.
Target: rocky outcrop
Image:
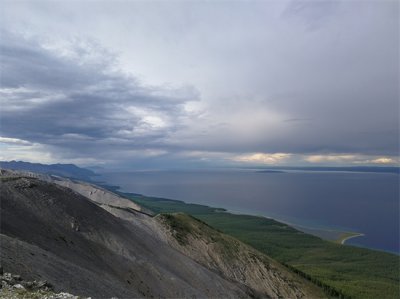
x: 14, y: 287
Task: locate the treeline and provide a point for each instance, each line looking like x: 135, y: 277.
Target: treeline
x: 330, y: 291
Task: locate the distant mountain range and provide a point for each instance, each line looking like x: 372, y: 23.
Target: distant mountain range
x: 64, y: 170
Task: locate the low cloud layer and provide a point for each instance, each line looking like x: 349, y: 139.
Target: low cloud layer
x: 200, y: 84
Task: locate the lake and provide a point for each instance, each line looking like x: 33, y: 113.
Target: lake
x: 349, y: 201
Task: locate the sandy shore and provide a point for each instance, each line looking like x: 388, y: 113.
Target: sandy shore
x: 350, y: 236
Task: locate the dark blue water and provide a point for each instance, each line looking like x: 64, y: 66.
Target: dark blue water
x: 361, y: 202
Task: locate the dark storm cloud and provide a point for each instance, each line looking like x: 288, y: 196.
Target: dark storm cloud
x: 27, y: 63
x: 83, y: 108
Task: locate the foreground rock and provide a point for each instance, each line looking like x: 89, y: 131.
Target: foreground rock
x: 14, y: 287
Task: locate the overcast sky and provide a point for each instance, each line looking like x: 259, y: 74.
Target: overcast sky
x: 175, y: 84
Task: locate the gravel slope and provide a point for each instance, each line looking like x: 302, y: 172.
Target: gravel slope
x: 53, y: 233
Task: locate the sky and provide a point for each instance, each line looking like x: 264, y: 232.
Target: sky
x: 200, y: 84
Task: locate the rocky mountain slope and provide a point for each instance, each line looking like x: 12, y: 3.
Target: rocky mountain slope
x: 233, y: 259
x: 103, y: 246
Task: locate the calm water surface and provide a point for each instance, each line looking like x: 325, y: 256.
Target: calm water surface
x: 362, y: 202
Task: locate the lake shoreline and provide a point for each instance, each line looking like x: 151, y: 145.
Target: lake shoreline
x: 329, y: 234
x: 350, y: 236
